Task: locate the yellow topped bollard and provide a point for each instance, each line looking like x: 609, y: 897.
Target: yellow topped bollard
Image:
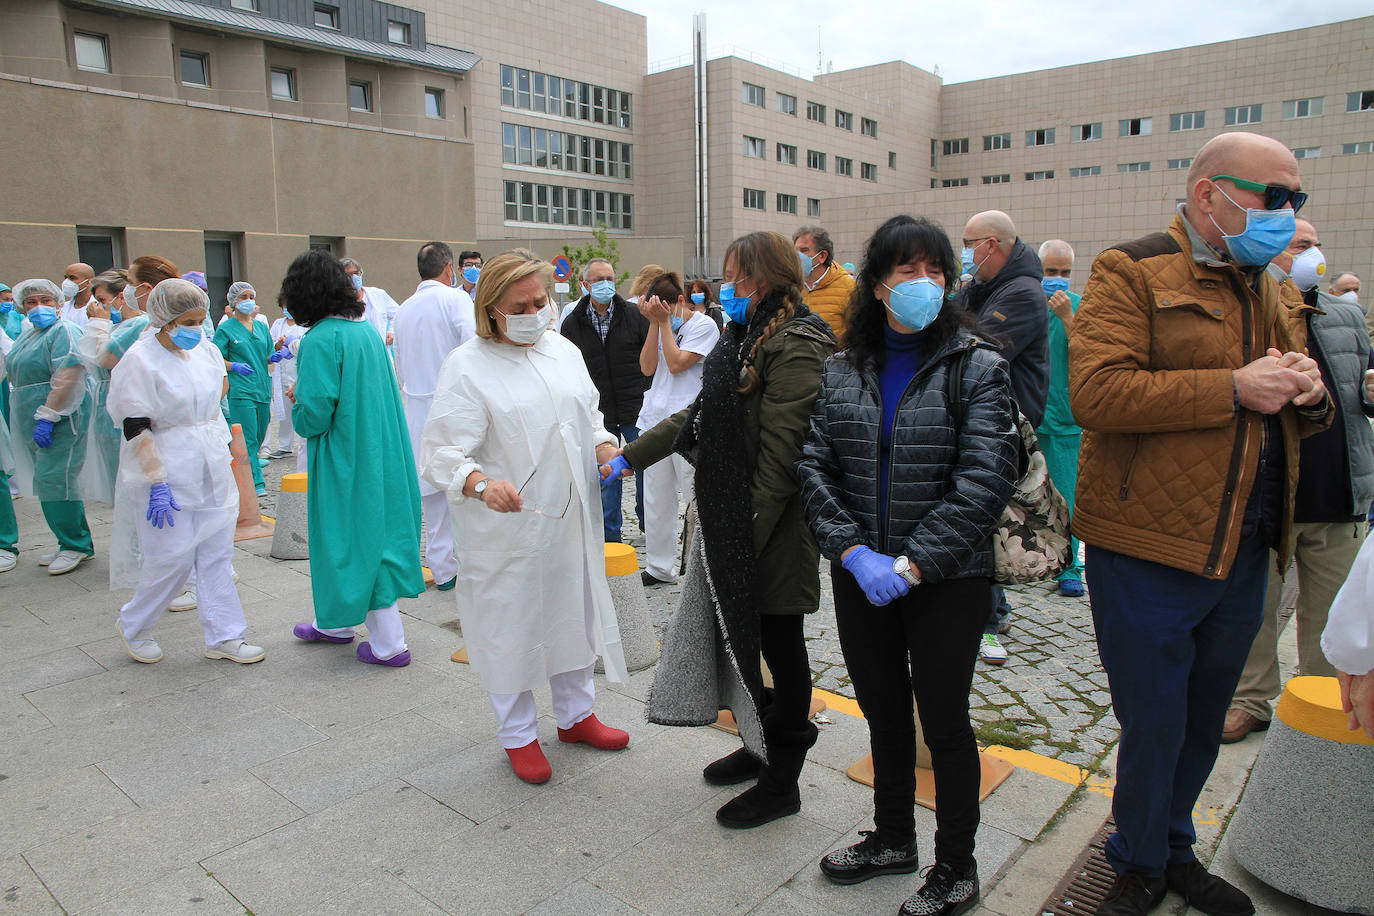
x: 638, y: 640
x: 290, y: 540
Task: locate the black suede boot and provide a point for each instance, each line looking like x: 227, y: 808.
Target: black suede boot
x: 738, y: 767
x: 776, y: 794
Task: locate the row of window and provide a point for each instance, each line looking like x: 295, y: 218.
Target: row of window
x: 1179, y: 121
x: 756, y: 95
x: 757, y: 148
x: 555, y: 205
x: 757, y: 199
x: 326, y: 16
x: 553, y: 149
x: 566, y: 98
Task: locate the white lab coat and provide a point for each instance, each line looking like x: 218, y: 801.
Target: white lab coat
x: 284, y: 371
x: 379, y: 309
x: 532, y: 591
x: 431, y: 324
x: 73, y: 313
x: 1348, y: 640
x: 180, y: 393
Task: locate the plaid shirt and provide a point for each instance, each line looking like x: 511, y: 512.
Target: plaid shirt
x: 602, y: 324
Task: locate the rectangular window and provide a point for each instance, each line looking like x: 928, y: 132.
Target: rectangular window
x: 844, y: 166
x: 398, y: 33
x: 869, y: 127
x: 434, y: 102
x: 813, y: 207
x: 283, y: 82
x: 1180, y: 163
x: 539, y: 92
x: 541, y: 148
x: 512, y: 211
x: 250, y: 6
x: 507, y: 85
x: 787, y: 203
x: 522, y: 88
x: 1133, y: 166
x: 954, y: 147
x: 1042, y: 175
x: 997, y: 179
x: 996, y: 141
x: 753, y: 95
x: 787, y: 155
x: 787, y: 104
x: 1187, y: 120
x: 844, y: 120
x: 1135, y: 127
x: 934, y: 156
x: 359, y: 95
x: 1360, y: 101
x: 815, y: 111
x: 1041, y: 137
x: 1303, y: 108
x: 92, y: 52
x: 1244, y: 114
x: 815, y: 159
x: 508, y: 143
x: 1081, y: 133
x: 1347, y: 149
x: 954, y: 182
x: 753, y: 199
x: 1086, y: 171
x: 891, y: 159
x: 326, y: 16
x: 1307, y: 152
x: 755, y: 147
x: 195, y: 69
x: 100, y: 248
x: 868, y: 171
x: 221, y: 262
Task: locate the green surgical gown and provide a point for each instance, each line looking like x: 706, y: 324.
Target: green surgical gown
x: 35, y: 358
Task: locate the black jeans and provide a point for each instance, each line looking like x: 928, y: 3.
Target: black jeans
x: 926, y: 642
x: 787, y: 727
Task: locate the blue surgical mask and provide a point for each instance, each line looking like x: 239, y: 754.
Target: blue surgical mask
x: 287, y: 313
x: 915, y: 303
x: 356, y: 280
x: 42, y: 316
x: 736, y: 307
x: 806, y: 264
x: 116, y: 316
x: 603, y: 290
x: 1052, y: 285
x: 471, y: 274
x: 1266, y: 234
x: 675, y: 323
x: 5, y: 307
x: 246, y: 306
x: 966, y: 260
x: 698, y: 298
x: 186, y: 338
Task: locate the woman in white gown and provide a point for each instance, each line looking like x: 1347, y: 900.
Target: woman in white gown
x: 515, y: 438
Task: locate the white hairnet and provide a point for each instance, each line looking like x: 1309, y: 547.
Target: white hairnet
x: 26, y: 288
x: 173, y: 298
x: 238, y: 289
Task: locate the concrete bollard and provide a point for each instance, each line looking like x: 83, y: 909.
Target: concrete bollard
x: 1304, y: 823
x: 638, y: 640
x: 290, y: 540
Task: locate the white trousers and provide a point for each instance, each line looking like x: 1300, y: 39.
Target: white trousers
x: 217, y: 600
x: 384, y: 631
x: 438, y: 537
x: 662, y: 484
x: 286, y: 433
x: 300, y: 457
x: 573, y: 694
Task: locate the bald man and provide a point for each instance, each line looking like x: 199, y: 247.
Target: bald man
x: 76, y: 291
x: 1347, y: 286
x: 1188, y: 375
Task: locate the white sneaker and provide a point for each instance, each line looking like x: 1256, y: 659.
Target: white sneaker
x: 186, y: 601
x: 236, y: 650
x: 45, y: 559
x: 8, y: 561
x: 66, y: 561
x: 991, y: 650
x: 146, y: 651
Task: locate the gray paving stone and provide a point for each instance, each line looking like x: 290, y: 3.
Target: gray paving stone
x: 21, y: 891
x: 186, y: 890
x: 583, y: 897
x: 38, y: 807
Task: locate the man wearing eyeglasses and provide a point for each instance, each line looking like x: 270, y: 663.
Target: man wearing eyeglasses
x: 1188, y: 374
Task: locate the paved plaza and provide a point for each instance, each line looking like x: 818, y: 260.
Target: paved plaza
x: 310, y: 783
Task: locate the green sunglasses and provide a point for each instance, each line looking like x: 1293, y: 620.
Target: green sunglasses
x: 1275, y: 195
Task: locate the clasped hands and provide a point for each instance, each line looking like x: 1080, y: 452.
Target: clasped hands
x: 1277, y: 379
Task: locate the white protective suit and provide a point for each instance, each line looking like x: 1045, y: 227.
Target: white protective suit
x: 283, y: 379
x: 1348, y: 640
x: 509, y: 411
x: 429, y: 326
x: 179, y: 391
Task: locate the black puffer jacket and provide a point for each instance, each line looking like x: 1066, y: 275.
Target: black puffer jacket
x: 613, y: 364
x: 947, y: 488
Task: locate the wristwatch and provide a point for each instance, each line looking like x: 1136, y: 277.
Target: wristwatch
x: 902, y: 567
x: 480, y: 487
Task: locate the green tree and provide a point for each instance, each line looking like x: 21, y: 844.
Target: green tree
x: 600, y: 246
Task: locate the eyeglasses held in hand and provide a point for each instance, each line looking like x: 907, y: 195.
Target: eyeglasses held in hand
x: 547, y: 514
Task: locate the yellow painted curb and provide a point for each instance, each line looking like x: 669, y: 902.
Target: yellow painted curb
x: 1313, y: 705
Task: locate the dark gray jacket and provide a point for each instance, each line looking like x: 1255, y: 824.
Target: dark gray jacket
x: 948, y: 487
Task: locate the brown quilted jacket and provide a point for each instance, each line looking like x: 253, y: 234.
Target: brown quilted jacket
x: 1167, y: 461
x: 830, y: 298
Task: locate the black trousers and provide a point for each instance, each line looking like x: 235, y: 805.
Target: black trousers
x: 926, y: 645
x: 786, y: 724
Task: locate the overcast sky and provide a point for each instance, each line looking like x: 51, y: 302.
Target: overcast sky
x: 971, y: 40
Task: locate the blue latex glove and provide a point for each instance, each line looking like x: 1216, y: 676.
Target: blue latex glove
x: 42, y: 433
x: 873, y: 572
x: 289, y: 354
x: 160, y: 505
x: 275, y: 357
x: 618, y: 466
x: 241, y: 369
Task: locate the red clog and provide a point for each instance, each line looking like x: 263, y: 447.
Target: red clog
x: 594, y: 733
x: 529, y: 763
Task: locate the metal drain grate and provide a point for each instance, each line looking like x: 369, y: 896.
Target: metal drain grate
x: 1087, y: 882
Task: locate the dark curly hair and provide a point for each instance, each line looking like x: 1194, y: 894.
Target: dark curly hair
x: 316, y: 287
x: 900, y: 240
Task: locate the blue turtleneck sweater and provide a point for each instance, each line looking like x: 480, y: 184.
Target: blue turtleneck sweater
x: 904, y: 354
